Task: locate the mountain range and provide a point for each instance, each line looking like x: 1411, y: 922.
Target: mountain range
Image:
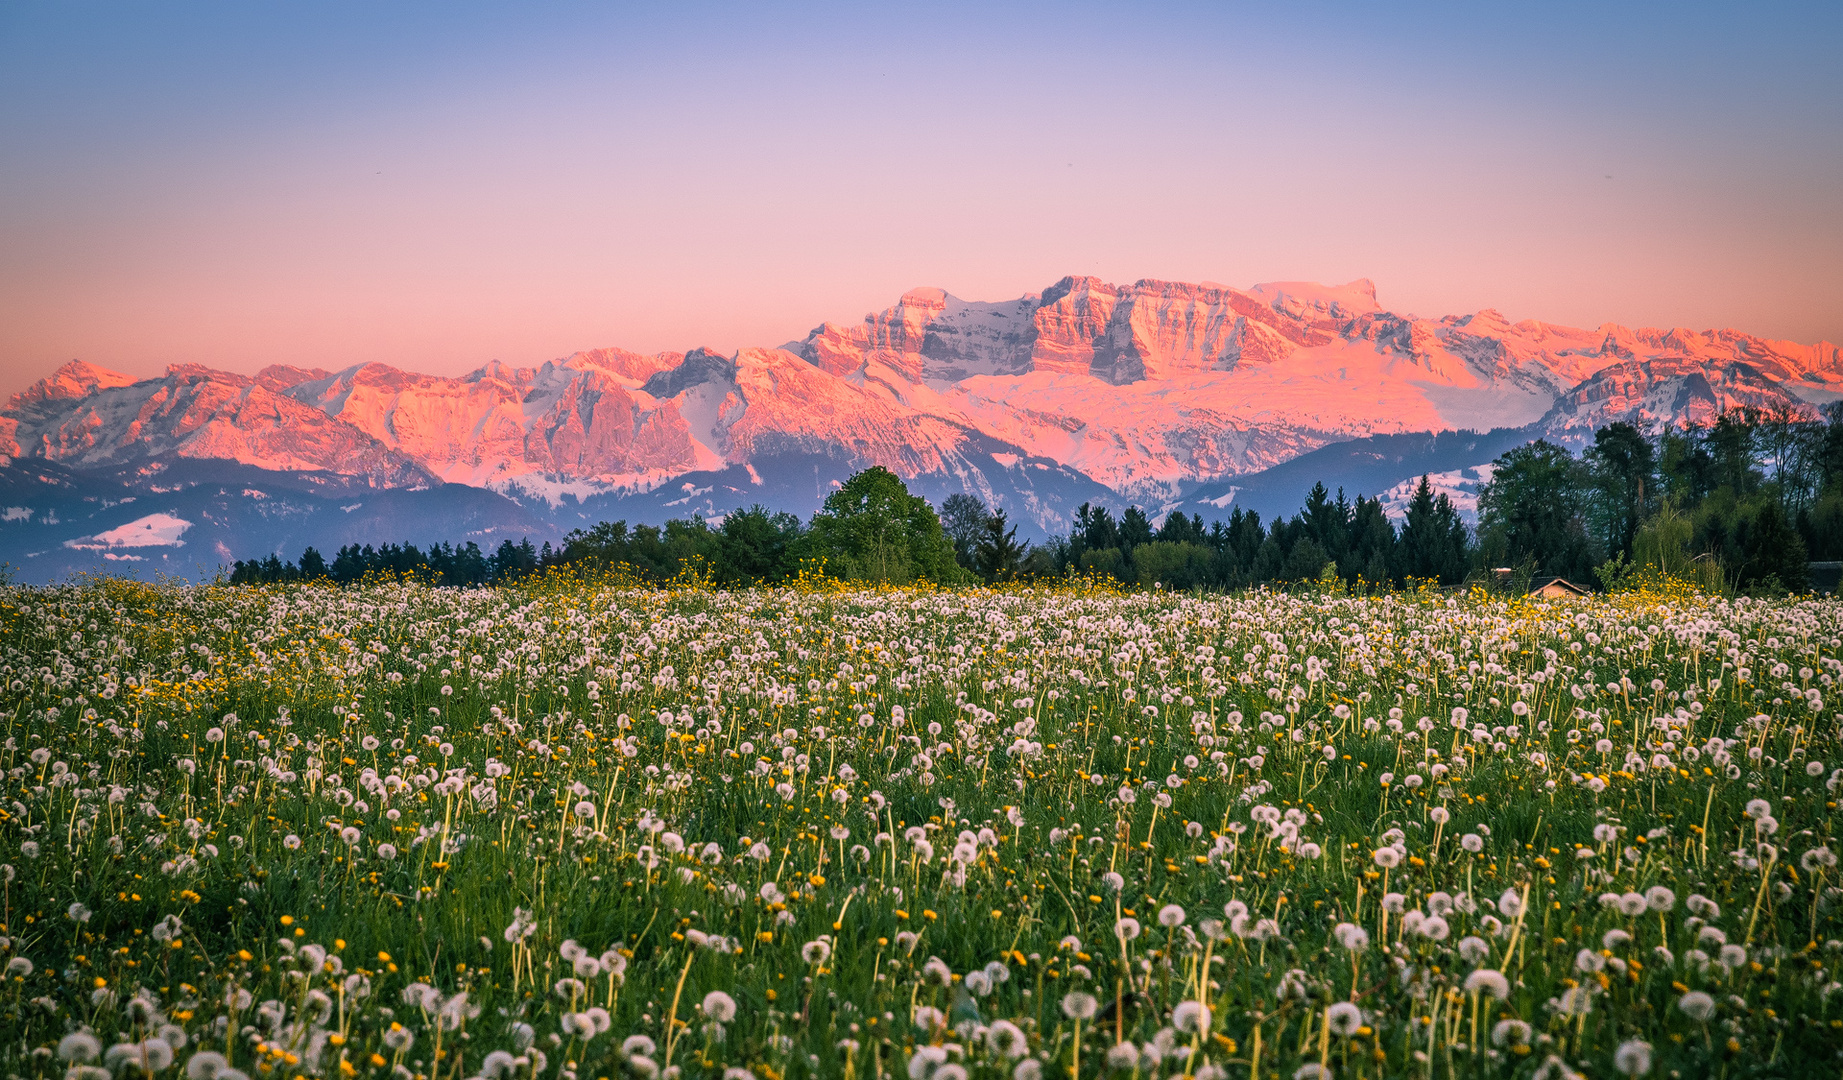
x: 1162, y: 394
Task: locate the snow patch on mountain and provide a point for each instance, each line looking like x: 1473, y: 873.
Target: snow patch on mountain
x: 1487, y: 406
x: 1459, y: 485
x: 154, y: 530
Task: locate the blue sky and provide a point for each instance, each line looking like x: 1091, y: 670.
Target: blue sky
x: 439, y: 185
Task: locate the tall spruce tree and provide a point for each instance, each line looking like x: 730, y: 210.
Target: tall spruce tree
x: 1433, y: 539
x: 998, y: 555
x: 1532, y: 512
x: 1622, y: 467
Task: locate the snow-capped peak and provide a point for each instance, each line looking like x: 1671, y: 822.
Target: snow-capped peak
x: 73, y: 381
x: 1296, y: 298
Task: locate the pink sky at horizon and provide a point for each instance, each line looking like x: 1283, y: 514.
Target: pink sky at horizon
x: 439, y: 188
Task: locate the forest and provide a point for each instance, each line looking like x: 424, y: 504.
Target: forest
x: 1739, y: 505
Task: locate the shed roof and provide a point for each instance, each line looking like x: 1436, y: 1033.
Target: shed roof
x: 1557, y: 586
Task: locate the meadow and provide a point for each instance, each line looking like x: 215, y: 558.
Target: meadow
x: 585, y: 831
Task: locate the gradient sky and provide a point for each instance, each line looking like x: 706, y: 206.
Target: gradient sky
x: 438, y: 185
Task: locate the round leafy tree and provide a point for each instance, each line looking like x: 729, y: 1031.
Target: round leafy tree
x: 872, y: 529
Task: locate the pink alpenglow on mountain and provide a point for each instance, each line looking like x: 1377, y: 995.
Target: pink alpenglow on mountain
x: 190, y: 412
x: 1143, y: 390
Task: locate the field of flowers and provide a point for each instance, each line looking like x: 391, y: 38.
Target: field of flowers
x: 584, y: 832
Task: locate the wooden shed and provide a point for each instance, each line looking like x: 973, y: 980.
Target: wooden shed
x: 1557, y: 588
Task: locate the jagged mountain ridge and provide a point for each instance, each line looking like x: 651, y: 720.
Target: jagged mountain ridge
x: 1153, y: 387
x: 1163, y: 393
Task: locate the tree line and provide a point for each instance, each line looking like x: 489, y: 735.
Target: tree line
x: 446, y: 564
x: 871, y: 529
x: 1739, y: 504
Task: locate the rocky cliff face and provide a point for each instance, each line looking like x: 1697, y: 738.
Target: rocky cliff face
x: 585, y: 416
x: 1146, y: 390
x: 84, y: 418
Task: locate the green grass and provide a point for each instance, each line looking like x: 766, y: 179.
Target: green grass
x: 549, y: 789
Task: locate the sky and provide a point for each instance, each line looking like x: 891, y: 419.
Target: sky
x: 439, y: 185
